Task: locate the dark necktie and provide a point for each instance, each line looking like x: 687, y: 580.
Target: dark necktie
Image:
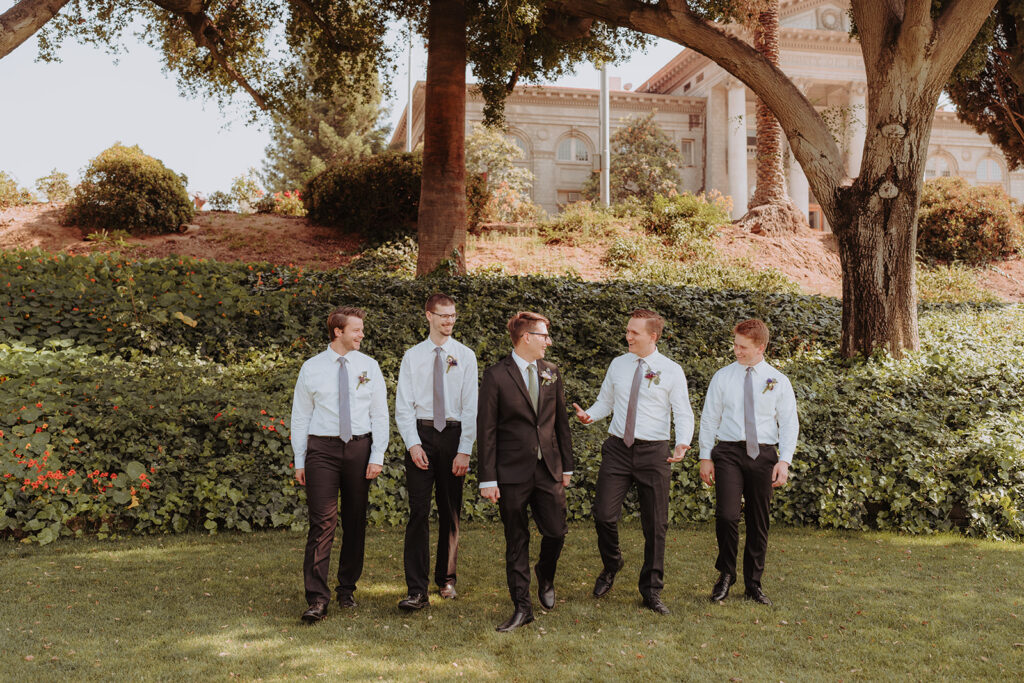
x: 749, y: 415
x: 439, y: 423
x: 634, y: 398
x: 344, y: 412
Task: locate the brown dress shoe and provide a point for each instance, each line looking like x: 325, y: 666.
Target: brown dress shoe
x: 447, y: 591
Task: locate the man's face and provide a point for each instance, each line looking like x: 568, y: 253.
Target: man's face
x: 748, y: 352
x: 351, y: 335
x: 639, y: 340
x: 535, y: 342
x: 442, y: 320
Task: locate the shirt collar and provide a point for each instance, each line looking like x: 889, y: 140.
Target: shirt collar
x: 521, y: 363
x: 334, y: 355
x: 759, y: 369
x: 649, y: 361
x: 446, y: 347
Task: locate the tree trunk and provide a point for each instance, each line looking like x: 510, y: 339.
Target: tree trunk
x: 770, y: 212
x: 442, y: 212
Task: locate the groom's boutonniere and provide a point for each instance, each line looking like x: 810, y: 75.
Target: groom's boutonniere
x: 769, y: 384
x: 547, y: 377
x: 653, y: 377
x: 451, y: 362
x: 363, y: 379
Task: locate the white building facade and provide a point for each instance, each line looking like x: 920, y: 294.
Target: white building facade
x: 710, y: 116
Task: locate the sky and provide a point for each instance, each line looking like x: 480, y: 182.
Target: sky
x: 61, y: 115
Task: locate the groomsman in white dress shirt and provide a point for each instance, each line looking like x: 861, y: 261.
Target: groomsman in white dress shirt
x: 339, y: 433
x: 750, y: 409
x: 642, y: 390
x: 435, y: 409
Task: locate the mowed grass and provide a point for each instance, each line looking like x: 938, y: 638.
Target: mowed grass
x: 849, y: 606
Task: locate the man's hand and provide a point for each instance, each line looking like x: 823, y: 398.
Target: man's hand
x: 300, y: 476
x: 565, y: 480
x: 780, y: 474
x: 373, y: 470
x: 581, y: 415
x: 460, y: 465
x: 679, y: 453
x: 491, y: 493
x: 707, y: 472
x: 419, y: 457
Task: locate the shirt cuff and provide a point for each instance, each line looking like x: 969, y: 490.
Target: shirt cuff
x: 465, y: 447
x: 488, y: 484
x: 569, y: 473
x: 376, y: 459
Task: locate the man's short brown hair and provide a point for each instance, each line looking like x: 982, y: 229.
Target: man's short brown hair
x: 339, y: 317
x: 753, y: 329
x: 523, y: 322
x: 438, y: 299
x: 655, y: 323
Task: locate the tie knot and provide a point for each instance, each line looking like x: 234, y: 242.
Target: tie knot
x: 750, y: 370
x: 342, y: 359
x: 438, y: 350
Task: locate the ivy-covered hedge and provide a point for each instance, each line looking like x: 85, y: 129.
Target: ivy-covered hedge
x: 175, y: 375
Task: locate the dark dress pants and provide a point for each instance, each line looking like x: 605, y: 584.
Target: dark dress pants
x: 737, y: 475
x: 546, y: 499
x: 441, y: 449
x: 645, y: 464
x: 333, y: 467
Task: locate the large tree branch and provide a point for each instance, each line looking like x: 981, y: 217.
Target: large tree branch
x: 954, y: 32
x: 20, y: 22
x: 811, y: 141
x: 874, y: 21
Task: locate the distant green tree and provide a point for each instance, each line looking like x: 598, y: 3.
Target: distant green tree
x: 55, y: 186
x: 316, y: 132
x: 644, y: 163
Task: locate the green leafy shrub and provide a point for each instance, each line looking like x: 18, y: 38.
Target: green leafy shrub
x: 246, y: 191
x: 578, y: 222
x: 182, y: 370
x: 685, y: 217
x: 958, y: 222
x: 953, y: 283
x: 125, y: 189
x: 11, y: 194
x: 55, y: 186
x: 220, y: 201
x: 377, y: 197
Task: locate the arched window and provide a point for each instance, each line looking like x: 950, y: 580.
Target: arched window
x: 937, y: 167
x: 524, y: 150
x: 989, y: 171
x: 573, y: 149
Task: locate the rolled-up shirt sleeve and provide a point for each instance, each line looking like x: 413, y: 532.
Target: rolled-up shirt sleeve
x: 405, y: 404
x: 789, y: 424
x: 605, y: 402
x: 470, y: 396
x: 302, y: 412
x: 682, y: 411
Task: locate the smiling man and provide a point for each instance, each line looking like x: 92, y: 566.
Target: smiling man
x: 642, y: 390
x: 339, y: 433
x: 750, y: 409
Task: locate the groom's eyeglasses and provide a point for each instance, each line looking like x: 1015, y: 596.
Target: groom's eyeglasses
x: 447, y: 317
x: 541, y: 334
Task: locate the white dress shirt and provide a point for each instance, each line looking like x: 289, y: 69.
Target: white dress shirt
x: 660, y: 398
x: 523, y: 366
x: 414, y: 398
x: 774, y: 405
x: 315, y: 403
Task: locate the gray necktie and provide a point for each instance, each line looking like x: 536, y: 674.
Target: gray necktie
x: 634, y: 398
x: 344, y: 413
x: 534, y: 395
x: 749, y: 416
x: 439, y: 423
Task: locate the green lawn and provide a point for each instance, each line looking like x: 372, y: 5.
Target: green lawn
x: 850, y: 606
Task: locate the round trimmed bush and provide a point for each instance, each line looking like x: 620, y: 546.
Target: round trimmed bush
x: 958, y: 222
x: 126, y: 189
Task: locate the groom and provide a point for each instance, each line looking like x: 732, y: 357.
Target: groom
x: 525, y: 459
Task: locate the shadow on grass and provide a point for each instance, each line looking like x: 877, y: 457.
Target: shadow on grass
x: 848, y: 605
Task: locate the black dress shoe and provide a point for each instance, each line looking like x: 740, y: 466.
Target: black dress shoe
x: 604, y: 581
x: 316, y: 612
x: 721, y: 589
x: 346, y: 600
x: 757, y: 595
x: 447, y: 591
x: 413, y: 602
x: 518, y: 618
x: 545, y: 591
x: 653, y: 602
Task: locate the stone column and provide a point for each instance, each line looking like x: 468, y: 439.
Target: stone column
x: 799, y: 191
x: 858, y: 127
x: 736, y: 111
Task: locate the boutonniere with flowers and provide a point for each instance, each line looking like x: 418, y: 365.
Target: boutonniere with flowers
x: 769, y: 384
x: 547, y: 377
x: 653, y: 377
x: 451, y: 363
x: 363, y: 379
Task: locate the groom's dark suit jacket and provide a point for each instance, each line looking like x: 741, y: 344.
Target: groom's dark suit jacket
x: 509, y: 431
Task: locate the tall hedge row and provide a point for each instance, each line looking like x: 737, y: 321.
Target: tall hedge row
x: 153, y: 396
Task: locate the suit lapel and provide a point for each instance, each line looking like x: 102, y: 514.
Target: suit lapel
x: 517, y: 379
